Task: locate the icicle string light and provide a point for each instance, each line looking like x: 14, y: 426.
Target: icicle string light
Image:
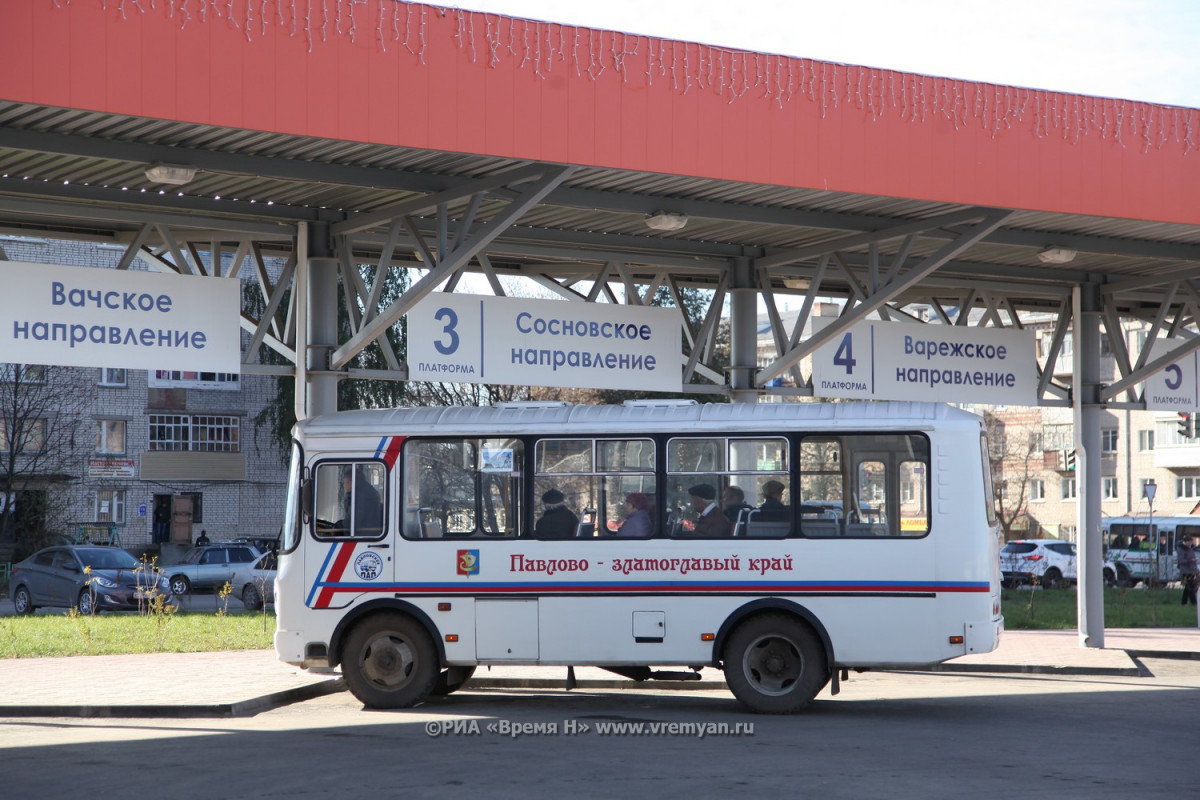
x: 732, y: 75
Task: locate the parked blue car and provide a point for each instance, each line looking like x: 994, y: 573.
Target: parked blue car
x: 90, y: 578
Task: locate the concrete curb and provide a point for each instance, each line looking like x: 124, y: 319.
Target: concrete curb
x: 1182, y: 655
x: 242, y: 708
x: 709, y: 685
x: 1031, y: 669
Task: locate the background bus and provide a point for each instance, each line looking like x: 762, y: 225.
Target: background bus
x: 1143, y: 548
x: 411, y: 551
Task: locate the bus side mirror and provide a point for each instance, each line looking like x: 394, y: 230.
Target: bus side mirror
x: 306, y: 500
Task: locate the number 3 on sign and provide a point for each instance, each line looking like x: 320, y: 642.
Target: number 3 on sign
x: 451, y: 319
x: 844, y: 357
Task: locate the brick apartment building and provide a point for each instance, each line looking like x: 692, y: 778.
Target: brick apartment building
x: 173, y: 446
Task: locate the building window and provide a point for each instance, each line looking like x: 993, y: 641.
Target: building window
x: 1068, y: 488
x: 28, y: 373
x: 1137, y: 341
x: 110, y: 436
x: 1145, y: 440
x: 1108, y: 488
x: 1035, y: 442
x: 174, y: 379
x: 1037, y: 490
x: 112, y: 377
x: 1108, y: 440
x: 110, y: 506
x: 1166, y: 433
x: 198, y: 433
x: 31, y: 436
x: 1187, y: 488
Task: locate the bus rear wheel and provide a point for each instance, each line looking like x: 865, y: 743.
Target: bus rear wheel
x: 390, y: 662
x: 775, y: 664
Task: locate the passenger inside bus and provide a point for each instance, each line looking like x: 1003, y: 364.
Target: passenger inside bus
x: 710, y: 521
x: 361, y: 505
x: 772, y: 505
x: 557, y: 521
x: 638, y: 522
x: 733, y: 502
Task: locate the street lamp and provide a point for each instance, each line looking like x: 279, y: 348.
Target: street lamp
x: 1151, y: 489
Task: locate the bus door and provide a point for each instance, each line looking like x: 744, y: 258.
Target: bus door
x: 462, y: 500
x: 349, y: 553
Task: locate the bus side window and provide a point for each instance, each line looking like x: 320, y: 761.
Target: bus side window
x: 861, y: 485
x: 350, y: 499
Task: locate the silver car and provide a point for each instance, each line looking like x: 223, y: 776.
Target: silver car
x: 255, y: 586
x: 210, y: 566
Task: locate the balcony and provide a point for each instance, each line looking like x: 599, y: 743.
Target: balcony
x: 177, y: 465
x: 1177, y: 456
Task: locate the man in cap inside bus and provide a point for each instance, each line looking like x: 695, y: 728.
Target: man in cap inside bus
x: 558, y: 521
x: 710, y: 522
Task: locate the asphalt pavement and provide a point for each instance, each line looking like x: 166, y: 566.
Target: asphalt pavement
x: 244, y: 683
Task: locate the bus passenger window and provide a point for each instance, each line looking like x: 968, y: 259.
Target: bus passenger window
x: 462, y: 488
x: 596, y: 478
x: 738, y: 472
x: 350, y: 500
x: 861, y: 485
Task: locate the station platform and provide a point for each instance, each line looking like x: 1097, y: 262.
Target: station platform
x: 244, y: 683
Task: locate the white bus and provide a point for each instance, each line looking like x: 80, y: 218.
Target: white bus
x: 412, y: 550
x: 1143, y: 547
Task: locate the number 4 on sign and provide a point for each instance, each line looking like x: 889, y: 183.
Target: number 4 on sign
x: 844, y: 357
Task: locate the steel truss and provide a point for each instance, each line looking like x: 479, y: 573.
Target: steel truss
x: 913, y: 271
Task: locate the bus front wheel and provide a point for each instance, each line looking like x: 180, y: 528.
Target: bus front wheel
x: 390, y: 662
x: 775, y: 664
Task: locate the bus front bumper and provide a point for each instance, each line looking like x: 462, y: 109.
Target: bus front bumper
x: 291, y: 648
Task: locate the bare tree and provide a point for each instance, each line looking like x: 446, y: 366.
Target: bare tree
x: 41, y: 413
x: 1015, y: 463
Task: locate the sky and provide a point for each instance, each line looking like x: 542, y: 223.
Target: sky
x: 1130, y: 49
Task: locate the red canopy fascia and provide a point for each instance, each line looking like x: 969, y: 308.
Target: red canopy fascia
x: 442, y: 79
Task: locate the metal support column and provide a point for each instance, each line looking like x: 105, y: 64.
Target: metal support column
x: 1088, y: 408
x: 316, y: 336
x: 743, y: 333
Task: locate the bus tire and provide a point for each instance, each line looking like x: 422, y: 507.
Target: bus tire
x: 1110, y: 580
x: 774, y: 664
x: 451, y: 680
x: 389, y: 661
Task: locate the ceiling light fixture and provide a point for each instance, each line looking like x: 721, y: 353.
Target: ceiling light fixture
x: 174, y: 174
x: 666, y: 221
x: 1057, y: 255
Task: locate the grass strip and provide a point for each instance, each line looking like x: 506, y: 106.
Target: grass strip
x: 1052, y: 609
x: 71, y: 634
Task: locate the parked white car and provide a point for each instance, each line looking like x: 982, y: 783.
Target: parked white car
x: 1050, y: 563
x: 254, y: 584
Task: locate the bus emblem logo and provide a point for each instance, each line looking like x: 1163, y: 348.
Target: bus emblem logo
x: 468, y: 562
x: 368, y: 566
